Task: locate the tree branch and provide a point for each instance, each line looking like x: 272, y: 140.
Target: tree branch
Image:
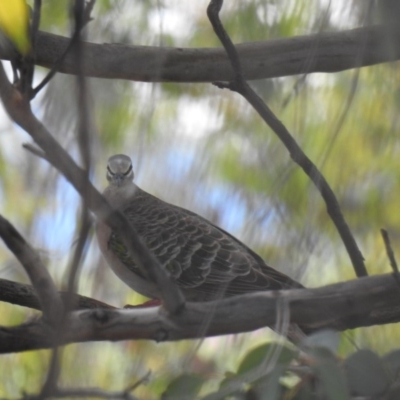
x: 361, y: 302
x: 331, y: 52
x: 49, y: 299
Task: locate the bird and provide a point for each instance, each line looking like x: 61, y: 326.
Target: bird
x: 205, y: 261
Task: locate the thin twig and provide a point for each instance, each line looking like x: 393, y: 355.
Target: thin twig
x: 80, y: 249
x: 59, y: 61
x: 342, y: 118
x: 144, y: 379
x: 37, y: 10
x: 389, y: 251
x: 83, y: 144
x: 54, y: 69
x: 27, y: 62
x: 240, y: 85
x: 353, y: 89
x: 34, y: 150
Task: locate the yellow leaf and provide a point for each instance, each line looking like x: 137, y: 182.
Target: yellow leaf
x: 14, y: 19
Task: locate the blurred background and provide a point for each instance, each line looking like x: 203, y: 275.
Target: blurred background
x: 206, y: 150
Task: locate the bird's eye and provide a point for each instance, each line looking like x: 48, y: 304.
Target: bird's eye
x: 109, y: 170
x: 128, y: 171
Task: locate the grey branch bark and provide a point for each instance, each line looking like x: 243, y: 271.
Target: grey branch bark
x: 322, y: 52
x: 362, y: 302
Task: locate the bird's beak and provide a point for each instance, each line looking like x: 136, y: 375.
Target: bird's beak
x: 118, y: 179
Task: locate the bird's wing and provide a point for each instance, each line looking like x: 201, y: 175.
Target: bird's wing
x: 199, y: 255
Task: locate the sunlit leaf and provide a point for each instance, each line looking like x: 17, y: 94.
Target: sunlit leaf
x: 14, y: 19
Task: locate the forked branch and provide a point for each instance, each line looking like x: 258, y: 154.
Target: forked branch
x: 239, y: 85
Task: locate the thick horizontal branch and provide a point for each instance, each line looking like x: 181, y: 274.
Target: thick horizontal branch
x: 323, y: 52
x: 363, y: 302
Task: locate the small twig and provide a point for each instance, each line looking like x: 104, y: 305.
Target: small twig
x: 240, y: 86
x: 54, y: 69
x: 389, y: 251
x: 35, y: 24
x: 27, y: 63
x: 343, y: 116
x: 80, y: 247
x: 34, y: 150
x: 83, y: 143
x: 50, y: 301
x: 144, y: 379
x: 353, y: 90
x: 56, y: 66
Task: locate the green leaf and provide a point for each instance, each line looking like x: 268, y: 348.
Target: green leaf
x: 329, y: 372
x: 392, y: 361
x: 269, y: 387
x: 393, y: 393
x: 366, y: 374
x: 14, y: 19
x: 333, y: 380
x: 303, y: 392
x: 186, y: 386
x: 259, y: 355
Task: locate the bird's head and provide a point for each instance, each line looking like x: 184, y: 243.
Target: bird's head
x: 119, y: 170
